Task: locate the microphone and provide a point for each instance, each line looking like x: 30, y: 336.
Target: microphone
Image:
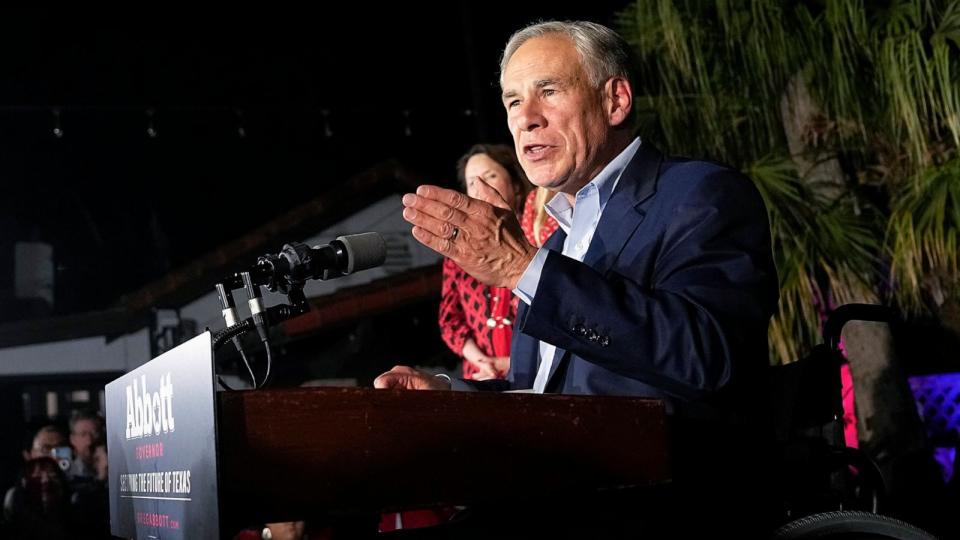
x: 364, y: 251
x: 298, y: 262
x: 287, y: 271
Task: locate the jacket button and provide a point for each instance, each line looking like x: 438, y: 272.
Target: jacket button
x: 592, y: 335
x: 604, y: 341
x: 580, y: 330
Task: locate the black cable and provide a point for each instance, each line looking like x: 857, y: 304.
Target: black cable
x: 229, y: 310
x: 228, y: 333
x: 274, y: 314
x: 243, y: 356
x: 246, y: 362
x: 266, y: 377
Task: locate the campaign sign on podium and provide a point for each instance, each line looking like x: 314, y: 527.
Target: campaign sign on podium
x: 161, y: 432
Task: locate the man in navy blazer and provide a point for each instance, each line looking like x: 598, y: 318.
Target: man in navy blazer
x: 672, y: 299
x: 660, y: 281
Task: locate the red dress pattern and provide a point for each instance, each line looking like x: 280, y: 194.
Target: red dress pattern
x: 470, y: 309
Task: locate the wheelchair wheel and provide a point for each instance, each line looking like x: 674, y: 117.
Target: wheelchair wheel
x: 850, y: 525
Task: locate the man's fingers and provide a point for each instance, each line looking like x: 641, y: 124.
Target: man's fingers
x: 393, y: 378
x: 443, y: 246
x: 406, y: 370
x: 436, y: 227
x: 396, y: 380
x: 387, y: 380
x: 410, y: 379
x: 449, y: 197
x: 490, y: 195
x: 439, y: 210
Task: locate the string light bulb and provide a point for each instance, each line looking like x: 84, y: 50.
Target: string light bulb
x: 57, y: 128
x: 151, y: 127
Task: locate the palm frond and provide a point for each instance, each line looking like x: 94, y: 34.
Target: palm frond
x: 819, y: 245
x: 922, y: 237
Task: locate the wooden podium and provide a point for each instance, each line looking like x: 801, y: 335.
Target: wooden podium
x: 333, y: 452
x: 188, y: 462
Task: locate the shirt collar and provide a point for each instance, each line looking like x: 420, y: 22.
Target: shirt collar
x: 603, y: 184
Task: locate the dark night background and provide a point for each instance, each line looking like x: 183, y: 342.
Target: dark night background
x: 319, y: 97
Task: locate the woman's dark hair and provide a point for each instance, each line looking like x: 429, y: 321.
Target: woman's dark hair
x: 506, y: 157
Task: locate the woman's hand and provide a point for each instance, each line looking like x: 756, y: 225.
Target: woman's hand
x: 491, y: 367
x: 488, y: 367
x: 485, y: 369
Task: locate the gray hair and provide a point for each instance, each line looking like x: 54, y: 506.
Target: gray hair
x: 603, y: 53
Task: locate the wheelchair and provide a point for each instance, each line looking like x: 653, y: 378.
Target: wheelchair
x: 828, y: 490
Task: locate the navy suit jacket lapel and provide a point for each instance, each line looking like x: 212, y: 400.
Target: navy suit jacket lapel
x: 622, y: 214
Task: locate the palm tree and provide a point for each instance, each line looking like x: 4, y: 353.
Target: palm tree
x: 847, y: 118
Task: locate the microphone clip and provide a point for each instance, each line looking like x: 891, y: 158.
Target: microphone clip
x: 298, y: 262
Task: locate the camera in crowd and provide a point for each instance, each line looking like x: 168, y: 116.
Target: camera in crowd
x: 63, y: 455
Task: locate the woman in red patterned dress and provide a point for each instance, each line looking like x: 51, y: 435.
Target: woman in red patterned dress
x: 476, y: 321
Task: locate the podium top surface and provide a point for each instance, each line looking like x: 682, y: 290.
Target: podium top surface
x: 341, y: 450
